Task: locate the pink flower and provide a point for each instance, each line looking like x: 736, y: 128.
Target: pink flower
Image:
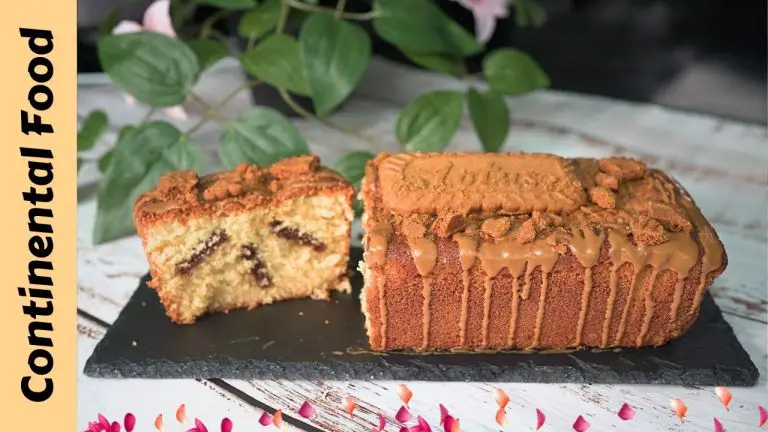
x: 486, y: 13
x: 157, y: 18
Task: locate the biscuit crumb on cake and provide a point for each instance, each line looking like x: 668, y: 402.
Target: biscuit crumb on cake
x: 246, y: 237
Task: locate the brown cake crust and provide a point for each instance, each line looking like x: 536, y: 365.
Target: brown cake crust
x: 530, y: 251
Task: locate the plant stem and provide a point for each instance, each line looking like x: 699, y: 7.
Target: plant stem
x: 211, y: 113
x: 200, y: 101
x: 340, y: 8
x: 148, y: 115
x: 207, y: 26
x: 285, y: 9
x: 364, y: 16
x: 327, y: 123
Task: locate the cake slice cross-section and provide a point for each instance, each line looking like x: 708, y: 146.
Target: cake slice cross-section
x: 467, y: 251
x: 246, y: 237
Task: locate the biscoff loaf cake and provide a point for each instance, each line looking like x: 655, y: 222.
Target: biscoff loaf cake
x: 247, y: 237
x: 529, y: 251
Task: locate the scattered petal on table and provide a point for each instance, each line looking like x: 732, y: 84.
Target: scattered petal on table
x: 307, y: 410
x: 129, y: 422
x: 382, y: 422
x: 501, y: 398
x: 265, y: 419
x: 450, y: 424
x: 200, y: 426
x: 181, y: 414
x: 348, y: 404
x: 159, y: 423
x: 679, y: 407
x: 443, y: 413
x: 115, y: 427
x: 104, y: 422
x: 501, y: 417
x: 626, y: 412
x: 277, y: 419
x: 718, y: 426
x: 540, y: 419
x: 763, y: 416
x: 423, y: 424
x: 226, y: 425
x: 580, y: 425
x: 725, y: 396
x: 405, y: 393
x: 403, y: 415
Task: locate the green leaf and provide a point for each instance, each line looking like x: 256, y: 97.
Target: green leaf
x: 352, y: 165
x: 490, y: 116
x: 207, y: 51
x: 258, y: 21
x: 529, y: 13
x: 276, y: 61
x: 229, y: 4
x: 262, y: 136
x: 513, y: 72
x: 428, y: 123
x: 105, y: 160
x: 141, y: 156
x: 110, y: 21
x: 421, y: 27
x: 91, y: 129
x: 444, y: 63
x: 335, y: 55
x: 79, y: 163
x: 155, y: 69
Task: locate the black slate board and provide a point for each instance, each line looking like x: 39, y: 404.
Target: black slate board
x: 291, y: 340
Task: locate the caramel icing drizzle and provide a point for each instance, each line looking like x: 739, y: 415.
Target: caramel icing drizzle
x: 585, y: 246
x: 377, y: 239
x: 424, y: 253
x: 467, y: 257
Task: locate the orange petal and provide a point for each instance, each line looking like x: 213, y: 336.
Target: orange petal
x: 501, y: 398
x: 159, y: 423
x: 181, y: 414
x: 277, y: 419
x: 456, y: 427
x: 501, y: 417
x: 405, y: 393
x: 348, y: 404
x: 679, y: 407
x: 725, y: 396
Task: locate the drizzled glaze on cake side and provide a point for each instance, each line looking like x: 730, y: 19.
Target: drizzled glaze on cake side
x: 510, y: 243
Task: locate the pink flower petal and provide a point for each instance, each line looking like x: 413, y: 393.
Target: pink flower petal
x: 540, y: 419
x: 181, y: 414
x: 265, y: 419
x: 501, y: 417
x: 763, y: 416
x: 115, y: 427
x: 403, y: 415
x: 679, y: 407
x: 157, y: 18
x: 423, y: 424
x: 104, y: 422
x: 176, y: 113
x: 725, y: 396
x: 129, y: 422
x: 200, y: 426
x: 226, y: 425
x: 307, y: 410
x: 405, y: 393
x: 159, y: 423
x: 626, y: 412
x: 125, y: 27
x: 448, y: 423
x: 484, y: 27
x: 718, y: 426
x: 580, y: 425
x: 501, y: 398
x: 443, y: 413
x: 382, y: 422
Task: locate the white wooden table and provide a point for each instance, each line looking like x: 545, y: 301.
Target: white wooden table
x: 722, y: 163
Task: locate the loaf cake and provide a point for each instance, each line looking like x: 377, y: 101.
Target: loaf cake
x: 529, y: 251
x: 247, y: 237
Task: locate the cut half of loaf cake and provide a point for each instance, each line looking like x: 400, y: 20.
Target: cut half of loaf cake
x: 247, y: 237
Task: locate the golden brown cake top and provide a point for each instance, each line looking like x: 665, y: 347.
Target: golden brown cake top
x: 184, y: 194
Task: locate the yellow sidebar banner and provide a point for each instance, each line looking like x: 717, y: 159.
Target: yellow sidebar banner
x: 39, y: 209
